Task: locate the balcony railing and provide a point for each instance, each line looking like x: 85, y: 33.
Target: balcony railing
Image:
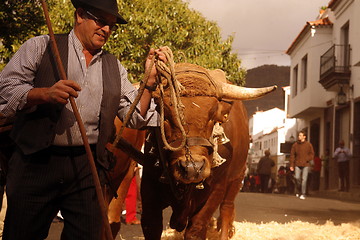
x: 335, y: 66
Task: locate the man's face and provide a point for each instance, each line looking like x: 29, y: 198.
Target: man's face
x: 301, y: 137
x: 93, y: 28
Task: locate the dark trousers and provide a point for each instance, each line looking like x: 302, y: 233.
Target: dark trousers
x: 344, y: 175
x: 264, y: 181
x: 315, y: 180
x: 326, y: 173
x: 41, y: 184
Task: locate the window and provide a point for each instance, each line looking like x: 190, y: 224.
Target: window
x: 304, y: 66
x: 345, y: 53
x: 295, y: 81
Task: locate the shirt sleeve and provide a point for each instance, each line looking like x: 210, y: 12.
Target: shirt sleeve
x: 129, y: 93
x: 17, y: 78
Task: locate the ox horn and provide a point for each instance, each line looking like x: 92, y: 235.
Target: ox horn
x: 234, y: 92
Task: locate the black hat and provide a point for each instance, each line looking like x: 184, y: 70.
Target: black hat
x: 108, y: 6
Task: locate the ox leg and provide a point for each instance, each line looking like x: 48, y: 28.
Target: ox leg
x: 116, y: 204
x: 198, y: 224
x: 227, y: 210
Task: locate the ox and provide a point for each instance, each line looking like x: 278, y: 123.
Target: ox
x: 183, y: 178
x: 121, y: 174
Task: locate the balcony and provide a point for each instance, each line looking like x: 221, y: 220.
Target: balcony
x: 335, y: 67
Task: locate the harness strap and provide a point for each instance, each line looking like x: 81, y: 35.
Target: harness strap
x: 193, y: 141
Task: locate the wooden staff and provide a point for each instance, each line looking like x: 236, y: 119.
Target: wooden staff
x: 90, y: 157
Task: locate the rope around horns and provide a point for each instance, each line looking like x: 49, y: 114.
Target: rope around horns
x: 166, y: 77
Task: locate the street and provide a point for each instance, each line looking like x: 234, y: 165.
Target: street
x: 264, y: 208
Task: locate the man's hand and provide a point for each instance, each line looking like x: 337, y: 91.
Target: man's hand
x: 153, y: 72
x: 58, y: 93
x: 61, y: 91
x: 146, y: 97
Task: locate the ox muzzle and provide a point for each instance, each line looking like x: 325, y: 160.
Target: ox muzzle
x: 192, y: 164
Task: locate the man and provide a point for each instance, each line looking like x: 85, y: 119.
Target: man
x: 302, y: 153
x: 49, y: 170
x: 325, y: 159
x: 342, y: 154
x: 264, y: 170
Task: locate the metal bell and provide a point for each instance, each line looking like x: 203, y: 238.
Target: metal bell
x: 222, y: 139
x: 200, y: 186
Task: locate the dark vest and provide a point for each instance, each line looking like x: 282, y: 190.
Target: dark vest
x: 35, y: 131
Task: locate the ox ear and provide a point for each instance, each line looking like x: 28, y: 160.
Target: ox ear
x: 218, y: 74
x: 222, y: 111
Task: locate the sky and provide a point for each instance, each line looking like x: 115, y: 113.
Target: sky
x: 263, y: 29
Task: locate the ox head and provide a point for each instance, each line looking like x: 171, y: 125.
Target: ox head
x: 205, y: 98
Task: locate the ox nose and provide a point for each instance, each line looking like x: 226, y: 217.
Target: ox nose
x: 194, y: 169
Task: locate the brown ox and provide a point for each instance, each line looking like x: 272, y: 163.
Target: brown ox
x: 121, y: 174
x: 183, y: 178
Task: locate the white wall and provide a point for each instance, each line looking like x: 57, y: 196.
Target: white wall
x: 348, y: 11
x: 314, y: 95
x: 265, y: 122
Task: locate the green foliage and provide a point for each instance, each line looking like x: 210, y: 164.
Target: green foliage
x: 19, y: 20
x: 192, y: 38
x: 61, y: 15
x: 155, y: 23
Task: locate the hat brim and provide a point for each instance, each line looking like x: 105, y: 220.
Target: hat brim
x: 80, y: 4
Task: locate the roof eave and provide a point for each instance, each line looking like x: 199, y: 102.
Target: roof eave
x: 305, y: 30
x: 299, y: 37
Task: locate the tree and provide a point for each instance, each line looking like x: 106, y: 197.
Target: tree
x: 19, y: 20
x: 155, y: 23
x: 192, y: 38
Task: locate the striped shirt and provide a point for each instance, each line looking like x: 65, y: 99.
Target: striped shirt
x: 17, y: 79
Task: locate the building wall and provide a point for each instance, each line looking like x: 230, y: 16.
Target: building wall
x: 316, y: 106
x: 314, y: 94
x: 348, y: 12
x: 268, y: 130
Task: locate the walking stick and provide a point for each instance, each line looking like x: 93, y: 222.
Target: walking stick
x: 90, y: 157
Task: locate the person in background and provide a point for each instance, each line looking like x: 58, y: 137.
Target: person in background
x: 131, y: 200
x: 325, y: 159
x: 281, y: 180
x: 302, y: 152
x: 342, y: 154
x: 316, y: 170
x: 256, y: 182
x: 49, y: 170
x: 290, y: 182
x: 252, y: 183
x: 264, y: 171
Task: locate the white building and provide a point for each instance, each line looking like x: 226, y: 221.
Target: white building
x: 325, y: 82
x: 268, y: 130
